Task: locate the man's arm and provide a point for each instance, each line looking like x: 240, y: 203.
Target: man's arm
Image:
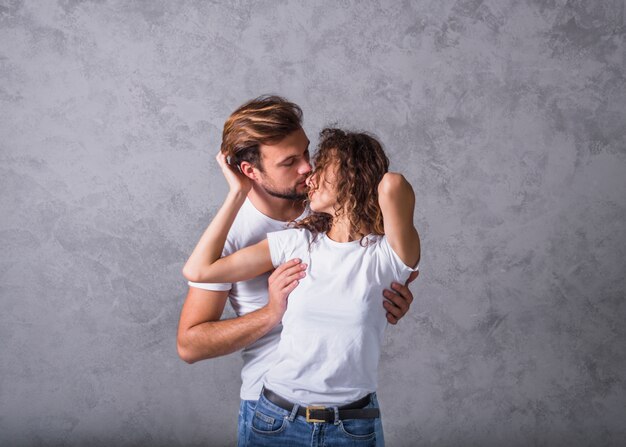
x: 201, y: 333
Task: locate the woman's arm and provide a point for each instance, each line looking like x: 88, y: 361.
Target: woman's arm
x: 242, y: 265
x: 397, y: 203
x: 204, y: 264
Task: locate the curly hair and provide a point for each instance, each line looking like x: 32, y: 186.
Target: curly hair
x: 362, y: 163
x: 263, y: 120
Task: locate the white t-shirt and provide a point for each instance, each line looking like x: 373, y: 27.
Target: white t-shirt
x: 250, y: 227
x: 334, y: 324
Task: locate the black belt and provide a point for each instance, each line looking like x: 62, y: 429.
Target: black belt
x: 352, y: 410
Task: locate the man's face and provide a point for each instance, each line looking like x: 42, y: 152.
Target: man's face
x: 286, y: 167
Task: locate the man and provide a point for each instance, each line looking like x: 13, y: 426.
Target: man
x: 265, y: 141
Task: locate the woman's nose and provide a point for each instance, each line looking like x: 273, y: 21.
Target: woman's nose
x: 309, y: 181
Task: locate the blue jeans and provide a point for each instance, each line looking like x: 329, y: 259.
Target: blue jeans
x: 261, y: 423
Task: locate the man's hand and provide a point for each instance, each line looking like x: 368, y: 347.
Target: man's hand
x: 281, y: 283
x: 400, y: 299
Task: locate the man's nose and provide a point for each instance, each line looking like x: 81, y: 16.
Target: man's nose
x: 305, y: 168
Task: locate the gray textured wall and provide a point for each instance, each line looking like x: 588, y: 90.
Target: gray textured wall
x: 508, y: 117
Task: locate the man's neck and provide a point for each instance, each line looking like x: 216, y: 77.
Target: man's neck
x: 274, y: 207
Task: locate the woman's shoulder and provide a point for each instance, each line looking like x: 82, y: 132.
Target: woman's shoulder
x: 386, y: 250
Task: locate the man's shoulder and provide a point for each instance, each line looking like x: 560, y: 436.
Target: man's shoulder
x: 292, y: 237
x: 293, y: 231
x: 250, y: 227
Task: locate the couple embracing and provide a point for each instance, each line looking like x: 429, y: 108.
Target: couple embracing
x: 315, y: 263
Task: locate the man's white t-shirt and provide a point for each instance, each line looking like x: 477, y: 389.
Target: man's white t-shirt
x: 250, y: 227
x: 334, y: 324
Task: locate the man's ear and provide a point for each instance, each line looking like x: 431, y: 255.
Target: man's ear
x: 248, y: 170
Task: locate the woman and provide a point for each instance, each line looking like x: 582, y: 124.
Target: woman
x: 358, y: 238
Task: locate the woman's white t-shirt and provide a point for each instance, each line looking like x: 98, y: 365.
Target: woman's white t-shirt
x: 334, y: 324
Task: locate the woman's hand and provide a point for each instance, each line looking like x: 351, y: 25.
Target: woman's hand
x: 238, y: 183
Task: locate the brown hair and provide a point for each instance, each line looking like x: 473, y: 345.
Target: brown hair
x: 362, y: 163
x: 263, y: 120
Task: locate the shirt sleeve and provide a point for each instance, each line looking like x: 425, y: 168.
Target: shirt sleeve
x: 219, y: 286
x: 286, y: 244
x: 215, y: 287
x: 402, y: 270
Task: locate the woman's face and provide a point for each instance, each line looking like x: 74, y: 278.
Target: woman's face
x: 323, y: 189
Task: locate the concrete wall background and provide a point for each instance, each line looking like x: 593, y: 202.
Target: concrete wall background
x: 508, y: 117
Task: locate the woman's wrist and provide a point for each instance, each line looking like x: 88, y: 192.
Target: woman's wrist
x: 237, y: 196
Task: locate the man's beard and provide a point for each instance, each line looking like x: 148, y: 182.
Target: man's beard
x: 291, y: 194
x: 286, y: 194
